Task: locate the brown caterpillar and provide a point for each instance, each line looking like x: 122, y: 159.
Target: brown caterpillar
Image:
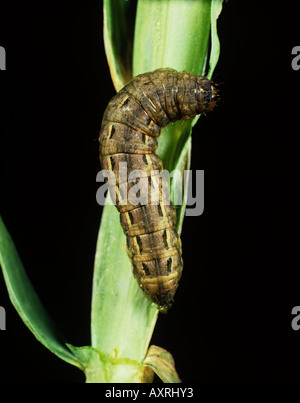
x: 131, y: 124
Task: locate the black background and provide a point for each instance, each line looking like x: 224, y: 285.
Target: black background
x: 231, y: 322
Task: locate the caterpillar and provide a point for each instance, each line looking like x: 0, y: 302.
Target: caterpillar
x: 131, y: 124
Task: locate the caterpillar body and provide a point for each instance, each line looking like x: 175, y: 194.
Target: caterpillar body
x: 130, y: 127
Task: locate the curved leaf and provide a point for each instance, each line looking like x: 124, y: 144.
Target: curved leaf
x: 27, y: 303
x: 216, y: 8
x: 118, y: 30
x: 162, y: 363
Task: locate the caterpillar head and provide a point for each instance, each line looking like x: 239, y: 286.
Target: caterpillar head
x: 207, y: 94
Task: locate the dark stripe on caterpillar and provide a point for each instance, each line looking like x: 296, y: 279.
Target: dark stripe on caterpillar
x: 169, y: 264
x: 160, y: 212
x: 130, y: 217
x: 131, y: 124
x: 165, y: 239
x: 145, y: 159
x: 146, y: 269
x: 112, y: 131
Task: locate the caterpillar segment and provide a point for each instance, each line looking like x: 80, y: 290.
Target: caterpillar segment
x: 131, y: 124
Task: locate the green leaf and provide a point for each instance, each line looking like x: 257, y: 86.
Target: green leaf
x: 92, y: 361
x: 118, y: 30
x: 100, y: 368
x: 27, y: 303
x: 122, y: 318
x: 173, y: 34
x: 216, y: 8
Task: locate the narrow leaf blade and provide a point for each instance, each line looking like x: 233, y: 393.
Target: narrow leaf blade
x: 118, y: 30
x: 26, y: 301
x: 216, y: 8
